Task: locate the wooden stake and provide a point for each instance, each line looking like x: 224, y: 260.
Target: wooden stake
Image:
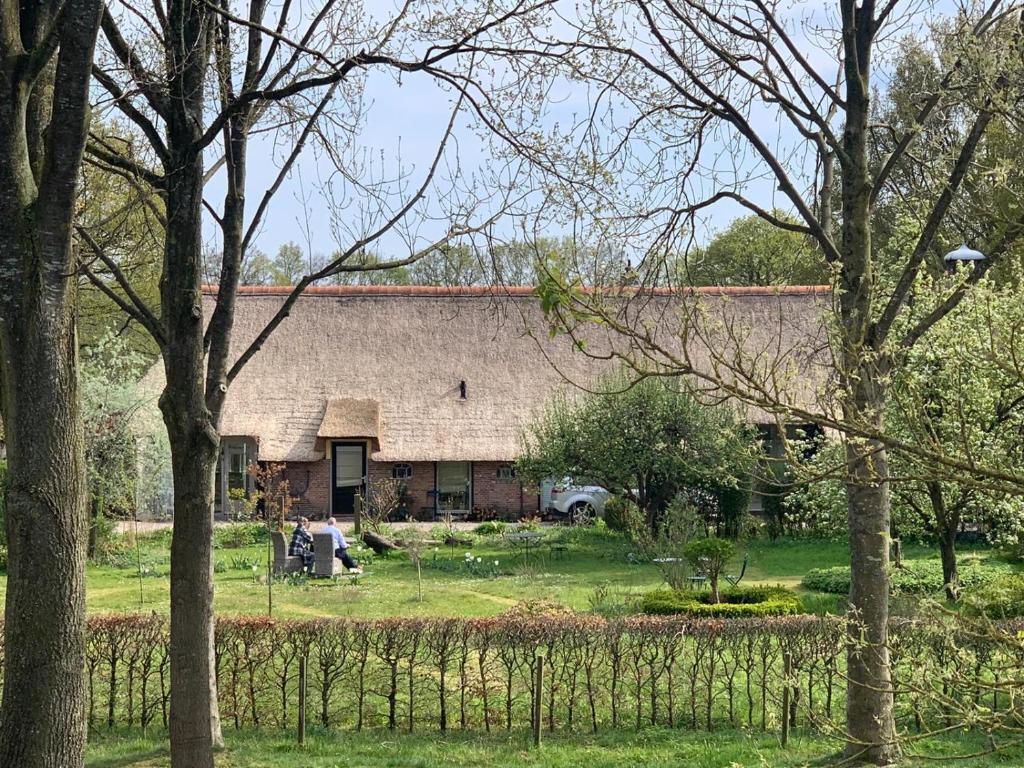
x: 538, y: 698
x: 302, y: 699
x: 357, y: 514
x: 787, y: 670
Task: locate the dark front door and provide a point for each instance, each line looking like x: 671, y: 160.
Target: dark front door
x: 349, y: 475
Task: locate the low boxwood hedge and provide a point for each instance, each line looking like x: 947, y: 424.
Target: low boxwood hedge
x: 736, y: 603
x: 917, y: 577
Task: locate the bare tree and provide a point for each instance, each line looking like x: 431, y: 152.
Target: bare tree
x: 701, y: 105
x: 45, y: 59
x: 301, y: 75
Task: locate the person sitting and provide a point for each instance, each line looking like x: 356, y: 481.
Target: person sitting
x: 302, y: 544
x: 341, y: 546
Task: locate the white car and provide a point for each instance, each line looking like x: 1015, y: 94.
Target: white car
x: 579, y: 503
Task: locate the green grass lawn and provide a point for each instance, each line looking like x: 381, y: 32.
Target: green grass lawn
x: 593, y: 560
x: 653, y: 748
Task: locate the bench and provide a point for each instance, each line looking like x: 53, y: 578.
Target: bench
x: 283, y: 562
x: 325, y: 564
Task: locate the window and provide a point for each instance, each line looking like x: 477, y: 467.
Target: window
x: 348, y: 465
x: 401, y: 471
x: 454, y: 482
x: 232, y: 473
x: 506, y: 472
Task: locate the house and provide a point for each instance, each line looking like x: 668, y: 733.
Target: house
x: 433, y: 386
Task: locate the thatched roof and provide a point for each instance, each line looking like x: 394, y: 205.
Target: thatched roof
x: 386, y: 363
x: 348, y: 417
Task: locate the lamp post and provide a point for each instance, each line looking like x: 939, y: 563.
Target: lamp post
x: 963, y: 255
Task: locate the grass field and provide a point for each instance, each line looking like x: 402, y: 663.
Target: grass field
x: 592, y: 561
x: 653, y: 748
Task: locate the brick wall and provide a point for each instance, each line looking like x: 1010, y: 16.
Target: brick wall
x: 505, y: 497
x: 309, y: 483
x: 416, y: 487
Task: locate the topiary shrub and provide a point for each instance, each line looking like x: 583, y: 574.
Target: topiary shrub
x: 736, y: 603
x: 917, y: 577
x: 709, y: 556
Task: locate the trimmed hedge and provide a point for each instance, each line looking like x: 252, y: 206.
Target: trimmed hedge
x: 739, y: 602
x: 917, y: 577
x: 444, y: 673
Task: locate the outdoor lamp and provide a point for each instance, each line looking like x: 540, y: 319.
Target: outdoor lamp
x: 962, y: 255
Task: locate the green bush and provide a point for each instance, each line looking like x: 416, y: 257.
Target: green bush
x: 733, y: 509
x: 237, y: 535
x: 1003, y: 598
x: 621, y: 514
x: 491, y: 528
x: 739, y: 602
x: 709, y: 556
x: 917, y: 577
x: 109, y: 546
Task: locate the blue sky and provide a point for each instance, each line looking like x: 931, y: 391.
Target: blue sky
x: 403, y: 123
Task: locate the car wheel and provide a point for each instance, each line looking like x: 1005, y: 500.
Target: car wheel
x: 582, y: 513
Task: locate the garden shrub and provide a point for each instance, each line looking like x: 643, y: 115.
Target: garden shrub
x: 491, y: 528
x: 112, y: 548
x: 917, y: 577
x: 1002, y: 598
x: 733, y: 509
x: 237, y: 535
x: 739, y: 602
x: 709, y: 556
x: 621, y: 514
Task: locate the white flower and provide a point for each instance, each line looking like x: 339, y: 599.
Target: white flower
x: 495, y: 563
x: 255, y: 568
x: 479, y: 560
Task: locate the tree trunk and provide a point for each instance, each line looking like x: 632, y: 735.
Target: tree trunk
x: 191, y: 428
x: 95, y: 507
x: 42, y: 715
x: 43, y: 118
x: 869, y: 700
x: 869, y: 708
x: 946, y: 526
x: 950, y: 573
x: 191, y: 424
x: 195, y: 716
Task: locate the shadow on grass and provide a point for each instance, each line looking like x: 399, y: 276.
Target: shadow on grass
x: 143, y: 758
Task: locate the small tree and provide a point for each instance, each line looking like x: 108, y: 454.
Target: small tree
x: 383, y: 499
x: 646, y: 441
x: 681, y: 524
x: 710, y: 556
x: 110, y: 399
x: 415, y: 544
x: 273, y: 501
